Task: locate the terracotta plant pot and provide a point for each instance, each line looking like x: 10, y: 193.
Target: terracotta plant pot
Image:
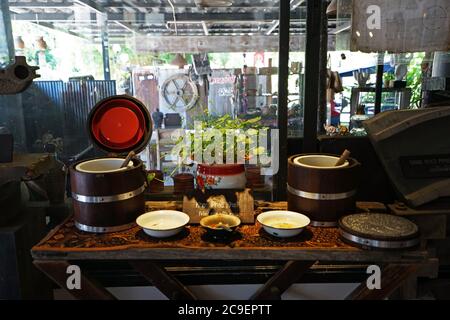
x: 221, y: 176
x: 183, y: 183
x: 155, y: 181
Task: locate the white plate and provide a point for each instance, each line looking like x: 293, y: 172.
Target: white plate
x: 162, y: 223
x: 283, y: 224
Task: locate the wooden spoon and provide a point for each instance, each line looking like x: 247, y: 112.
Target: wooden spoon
x: 343, y: 158
x: 130, y: 155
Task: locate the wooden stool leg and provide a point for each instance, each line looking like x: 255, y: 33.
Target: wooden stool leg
x: 164, y: 281
x: 90, y: 289
x: 392, y: 277
x: 407, y: 291
x: 290, y: 273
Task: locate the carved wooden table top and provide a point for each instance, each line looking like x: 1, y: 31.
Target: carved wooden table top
x: 251, y: 242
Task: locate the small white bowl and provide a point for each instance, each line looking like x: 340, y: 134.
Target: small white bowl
x: 283, y: 224
x: 162, y: 223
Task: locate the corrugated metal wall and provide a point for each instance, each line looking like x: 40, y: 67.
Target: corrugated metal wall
x: 69, y: 104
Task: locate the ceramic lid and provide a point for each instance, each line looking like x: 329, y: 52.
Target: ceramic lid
x: 120, y: 124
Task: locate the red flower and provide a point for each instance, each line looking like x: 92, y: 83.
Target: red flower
x: 200, y: 182
x: 210, y: 180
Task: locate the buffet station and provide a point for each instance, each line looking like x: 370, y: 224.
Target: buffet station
x: 219, y: 220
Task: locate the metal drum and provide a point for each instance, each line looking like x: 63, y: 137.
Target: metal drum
x: 378, y: 231
x: 321, y: 190
x: 107, y: 198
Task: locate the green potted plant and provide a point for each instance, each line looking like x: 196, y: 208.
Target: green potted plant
x: 225, y: 167
x: 155, y: 181
x: 183, y: 179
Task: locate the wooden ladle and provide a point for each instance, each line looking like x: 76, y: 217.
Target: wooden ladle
x: 342, y: 158
x: 130, y: 155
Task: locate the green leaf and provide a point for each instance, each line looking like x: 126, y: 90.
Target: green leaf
x: 151, y: 176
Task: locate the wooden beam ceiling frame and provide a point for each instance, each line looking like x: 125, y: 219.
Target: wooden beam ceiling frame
x: 131, y: 4
x: 193, y: 5
x: 205, y: 28
x: 40, y: 5
x: 296, y: 3
x: 275, y: 24
x: 53, y: 27
x: 127, y: 26
x: 101, y: 10
x: 91, y: 5
x: 141, y: 18
x: 215, y: 43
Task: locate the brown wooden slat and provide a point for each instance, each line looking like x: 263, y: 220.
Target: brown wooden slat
x: 90, y: 289
x: 392, y: 277
x: 164, y: 281
x: 290, y: 273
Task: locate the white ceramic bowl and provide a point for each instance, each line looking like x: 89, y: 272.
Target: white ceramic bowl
x: 283, y: 224
x: 162, y: 223
x: 102, y: 165
x: 319, y: 161
x: 213, y: 222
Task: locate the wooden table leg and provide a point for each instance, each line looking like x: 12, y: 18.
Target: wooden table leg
x: 90, y: 289
x: 392, y: 277
x: 290, y: 273
x: 164, y: 281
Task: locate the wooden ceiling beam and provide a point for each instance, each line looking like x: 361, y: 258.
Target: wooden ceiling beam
x: 212, y: 43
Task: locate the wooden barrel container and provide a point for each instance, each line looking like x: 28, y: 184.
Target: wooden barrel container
x: 105, y: 198
x: 320, y: 190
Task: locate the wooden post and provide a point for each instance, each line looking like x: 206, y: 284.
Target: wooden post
x: 282, y: 280
x: 161, y: 279
x: 392, y: 277
x: 90, y: 289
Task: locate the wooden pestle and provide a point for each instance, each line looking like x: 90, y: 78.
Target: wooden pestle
x: 343, y: 158
x: 130, y: 155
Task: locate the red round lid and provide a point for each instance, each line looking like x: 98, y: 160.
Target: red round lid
x: 120, y: 124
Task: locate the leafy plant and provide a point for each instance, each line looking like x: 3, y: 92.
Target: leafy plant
x: 247, y: 132
x: 152, y: 176
x: 388, y: 76
x: 414, y: 79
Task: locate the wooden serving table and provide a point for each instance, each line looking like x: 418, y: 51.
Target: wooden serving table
x: 65, y: 244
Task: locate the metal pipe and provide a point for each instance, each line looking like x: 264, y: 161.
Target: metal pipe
x: 174, y: 16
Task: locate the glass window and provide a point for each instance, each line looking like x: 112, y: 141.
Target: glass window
x: 213, y: 62
x: 401, y: 39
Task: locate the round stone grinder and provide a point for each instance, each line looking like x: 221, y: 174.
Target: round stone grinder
x: 378, y: 231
